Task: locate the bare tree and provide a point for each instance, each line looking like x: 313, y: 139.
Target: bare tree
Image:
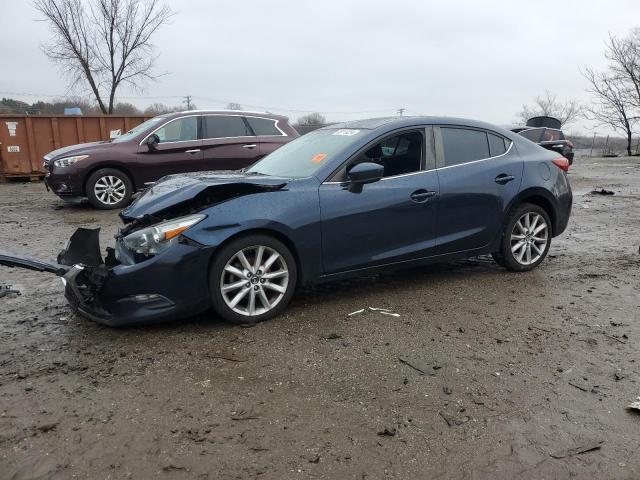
x: 624, y: 62
x: 612, y: 106
x: 234, y: 106
x: 549, y: 105
x: 105, y: 43
x: 312, y: 119
x: 160, y: 108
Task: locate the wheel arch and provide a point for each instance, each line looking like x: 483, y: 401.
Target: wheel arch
x: 539, y: 197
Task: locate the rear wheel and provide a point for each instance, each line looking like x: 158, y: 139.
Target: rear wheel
x: 526, y: 239
x: 109, y: 188
x: 252, y: 279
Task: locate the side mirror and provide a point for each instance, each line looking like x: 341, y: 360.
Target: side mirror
x: 152, y: 141
x: 363, y: 173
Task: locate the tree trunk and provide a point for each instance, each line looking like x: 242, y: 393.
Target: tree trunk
x: 628, y: 143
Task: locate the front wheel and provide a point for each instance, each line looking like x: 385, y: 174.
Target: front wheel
x: 109, y: 188
x: 526, y: 239
x: 252, y: 279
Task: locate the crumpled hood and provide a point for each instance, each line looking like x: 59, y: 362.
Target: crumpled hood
x: 77, y: 149
x: 199, y: 189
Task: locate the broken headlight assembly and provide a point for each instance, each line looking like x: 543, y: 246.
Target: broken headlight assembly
x: 68, y: 161
x: 152, y: 240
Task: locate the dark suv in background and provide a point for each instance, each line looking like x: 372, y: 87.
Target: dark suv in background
x: 108, y: 173
x: 546, y: 132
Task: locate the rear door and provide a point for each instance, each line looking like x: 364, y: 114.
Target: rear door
x: 479, y: 174
x: 179, y: 149
x: 228, y: 143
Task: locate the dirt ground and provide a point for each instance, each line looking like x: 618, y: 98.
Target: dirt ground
x: 521, y: 372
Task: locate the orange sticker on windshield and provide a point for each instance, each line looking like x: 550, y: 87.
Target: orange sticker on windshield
x: 319, y: 157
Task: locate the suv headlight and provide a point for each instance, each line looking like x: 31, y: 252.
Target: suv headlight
x: 152, y: 240
x: 66, y: 161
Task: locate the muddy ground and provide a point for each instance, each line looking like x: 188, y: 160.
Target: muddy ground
x: 519, y: 368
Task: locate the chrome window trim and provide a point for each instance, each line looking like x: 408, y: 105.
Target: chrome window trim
x: 167, y: 123
x: 385, y: 178
x: 481, y: 159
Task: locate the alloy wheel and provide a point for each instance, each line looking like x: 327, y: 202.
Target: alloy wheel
x: 254, y: 280
x: 529, y: 238
x: 109, y: 189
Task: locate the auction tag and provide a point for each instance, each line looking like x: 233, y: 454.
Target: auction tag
x: 347, y: 132
x: 13, y: 149
x: 319, y: 157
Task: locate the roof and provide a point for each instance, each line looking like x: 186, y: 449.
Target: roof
x: 235, y: 112
x: 399, y: 122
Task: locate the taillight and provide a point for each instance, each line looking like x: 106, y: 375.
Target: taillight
x: 562, y: 163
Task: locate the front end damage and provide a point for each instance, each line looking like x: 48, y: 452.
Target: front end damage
x: 135, y: 284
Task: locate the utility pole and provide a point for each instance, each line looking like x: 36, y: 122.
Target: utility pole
x: 187, y: 100
x: 401, y: 111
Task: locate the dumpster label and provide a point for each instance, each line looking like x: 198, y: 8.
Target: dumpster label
x: 115, y: 133
x: 13, y: 149
x: 11, y: 126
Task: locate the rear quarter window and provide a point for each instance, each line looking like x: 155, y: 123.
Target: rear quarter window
x: 497, y: 144
x: 263, y: 126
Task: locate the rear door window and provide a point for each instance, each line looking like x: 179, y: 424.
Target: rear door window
x: 179, y: 130
x: 225, y: 126
x: 263, y: 126
x: 462, y: 145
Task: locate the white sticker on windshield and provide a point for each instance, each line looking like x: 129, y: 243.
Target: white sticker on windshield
x: 347, y: 132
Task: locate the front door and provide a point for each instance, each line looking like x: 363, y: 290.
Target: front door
x: 392, y: 220
x: 178, y: 151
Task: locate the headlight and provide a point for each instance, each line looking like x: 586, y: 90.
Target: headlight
x: 152, y: 240
x: 66, y: 161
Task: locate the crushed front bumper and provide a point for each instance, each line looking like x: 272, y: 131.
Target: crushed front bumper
x: 169, y: 286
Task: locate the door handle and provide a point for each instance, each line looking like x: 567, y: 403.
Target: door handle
x: 195, y: 150
x: 250, y: 146
x: 504, y: 178
x: 420, y: 196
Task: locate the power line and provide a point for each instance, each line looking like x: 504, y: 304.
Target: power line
x: 188, y: 98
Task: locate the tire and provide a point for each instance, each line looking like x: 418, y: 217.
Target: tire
x: 522, y: 247
x: 270, y: 295
x: 109, y: 188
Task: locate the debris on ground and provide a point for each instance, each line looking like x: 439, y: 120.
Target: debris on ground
x: 453, y: 420
x: 634, y: 406
x: 418, y: 367
x: 383, y: 311
x: 602, y: 191
x: 388, y: 432
x: 584, y: 448
x: 6, y: 290
x: 332, y: 336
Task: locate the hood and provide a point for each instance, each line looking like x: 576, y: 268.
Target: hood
x: 181, y: 194
x: 73, y: 149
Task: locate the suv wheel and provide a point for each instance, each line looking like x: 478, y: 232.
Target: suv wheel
x: 252, y: 279
x: 109, y: 188
x: 526, y: 239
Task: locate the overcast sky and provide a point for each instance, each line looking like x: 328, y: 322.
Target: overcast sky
x: 352, y: 58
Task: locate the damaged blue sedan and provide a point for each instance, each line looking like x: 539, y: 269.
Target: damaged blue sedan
x: 344, y: 200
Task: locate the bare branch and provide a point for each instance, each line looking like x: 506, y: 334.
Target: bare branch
x: 104, y: 43
x: 549, y: 105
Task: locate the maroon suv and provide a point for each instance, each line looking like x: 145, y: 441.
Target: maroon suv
x: 108, y: 173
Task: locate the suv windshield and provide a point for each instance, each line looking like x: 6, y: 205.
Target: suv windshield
x: 305, y: 155
x: 153, y: 122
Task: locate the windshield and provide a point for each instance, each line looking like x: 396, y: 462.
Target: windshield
x: 305, y: 155
x: 139, y: 129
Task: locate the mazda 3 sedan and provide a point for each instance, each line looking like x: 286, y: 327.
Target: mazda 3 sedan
x: 345, y: 200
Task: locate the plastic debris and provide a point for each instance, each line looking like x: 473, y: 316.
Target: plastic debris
x: 635, y: 406
x: 602, y: 191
